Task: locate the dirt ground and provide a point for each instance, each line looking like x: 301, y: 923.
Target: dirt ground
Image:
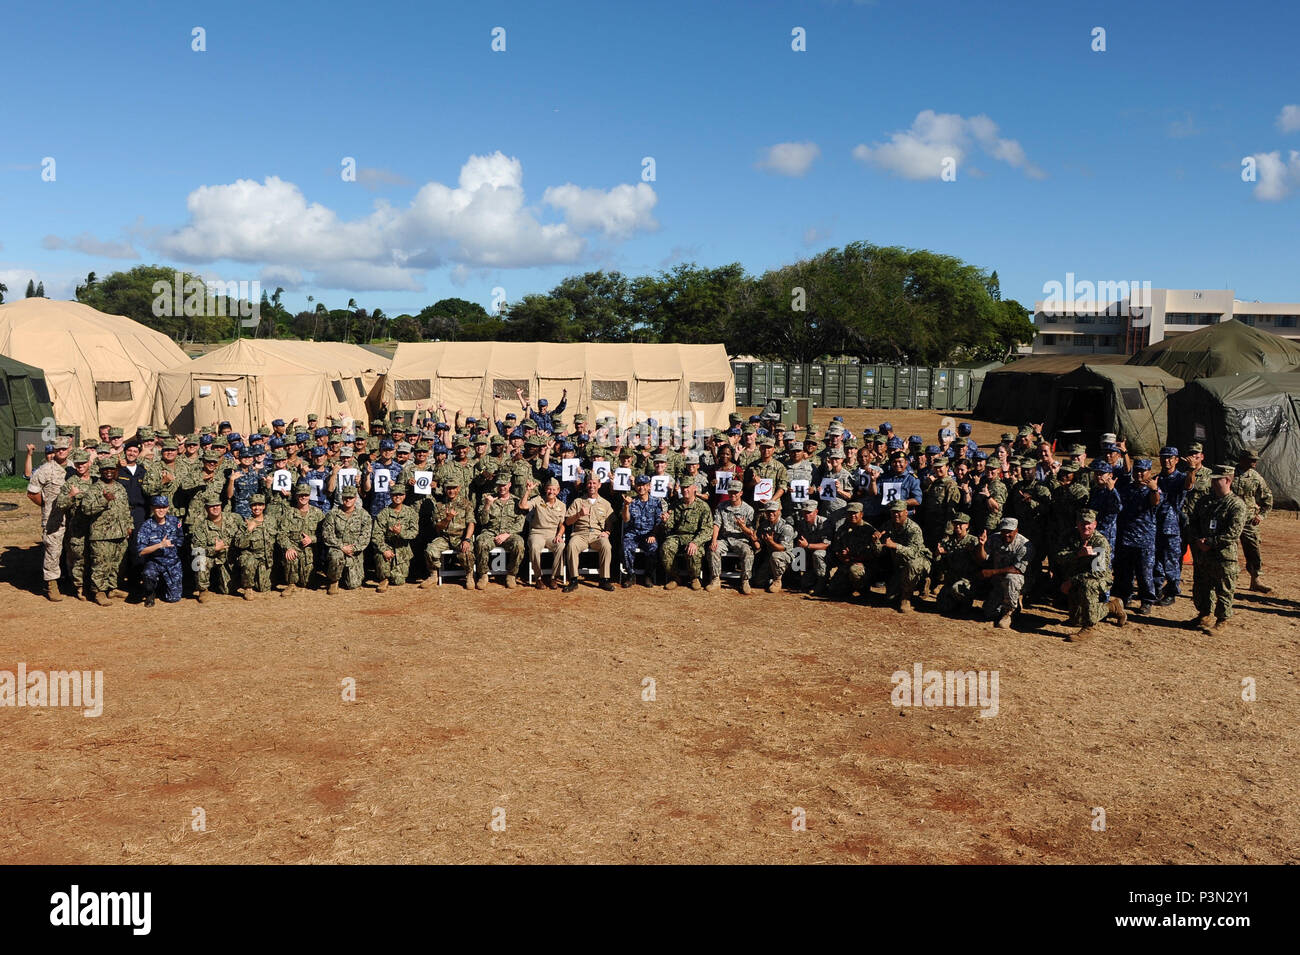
x: 529, y: 707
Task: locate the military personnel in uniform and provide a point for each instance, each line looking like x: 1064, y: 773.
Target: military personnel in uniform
x: 1008, y: 559
x: 854, y: 551
x: 106, y: 505
x: 1135, y: 550
x: 1172, y: 482
x: 165, y: 476
x: 243, y: 483
x: 298, y: 532
x: 940, y: 500
x: 345, y: 533
x: 590, y: 520
x: 545, y: 523
x: 643, y: 517
x: 689, y: 528
x: 76, y: 523
x: 1215, y: 528
x: 212, y: 548
x: 451, y: 524
x: 1249, y: 485
x: 904, y: 542
x: 395, y: 527
x: 1084, y: 561
x: 500, y: 524
x: 158, y: 545
x: 733, y: 524
x: 766, y: 468
x: 255, y: 544
x: 956, y: 567
x: 773, y: 541
x: 814, y: 535
x: 43, y: 490
x: 1069, y: 496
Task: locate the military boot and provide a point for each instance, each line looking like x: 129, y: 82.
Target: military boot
x: 52, y: 591
x: 1221, y: 623
x: 481, y: 583
x: 695, y: 584
x: 1202, y: 622
x: 714, y: 585
x: 430, y: 581
x: 905, y: 606
x: 1115, y: 608
x: 249, y: 593
x: 382, y: 586
x: 203, y: 596
x: 117, y: 593
x: 289, y: 589
x: 744, y: 585
x: 101, y: 598
x: 148, y: 600
x: 333, y: 588
x: 510, y: 581
x: 1259, y: 586
x: 1004, y: 622
x: 775, y: 586
x: 1087, y: 633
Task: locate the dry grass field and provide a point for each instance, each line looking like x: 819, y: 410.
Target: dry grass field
x: 532, y: 703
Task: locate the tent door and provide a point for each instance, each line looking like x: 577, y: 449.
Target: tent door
x: 213, y: 403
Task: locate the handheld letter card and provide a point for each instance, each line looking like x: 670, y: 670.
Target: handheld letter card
x: 348, y: 477
x: 798, y: 491
x: 659, y: 484
x: 622, y: 479
x: 383, y: 480
x: 763, y: 489
x: 722, y: 482
x: 282, y: 480
x: 569, y: 469
x: 601, y: 469
x: 830, y: 488
x: 890, y: 491
x: 423, y: 482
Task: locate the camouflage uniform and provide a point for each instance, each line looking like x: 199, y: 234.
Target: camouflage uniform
x: 853, y: 574
x: 340, y: 529
x: 76, y: 530
x: 459, y: 515
x: 499, y: 516
x: 161, y: 570
x: 956, y: 570
x: 1220, y: 520
x: 1089, y: 577
x: 256, y: 547
x: 1005, y: 589
x: 214, y: 569
x: 1251, y: 487
x: 813, y: 579
x: 110, y: 530
x: 291, y: 525
x: 910, y: 560
x: 394, y: 530
x: 686, y: 524
x: 731, y: 539
x: 47, y: 481
x: 771, y: 564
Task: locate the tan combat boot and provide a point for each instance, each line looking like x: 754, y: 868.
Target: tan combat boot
x: 744, y: 586
x: 481, y: 583
x: 203, y: 596
x: 333, y: 588
x: 1115, y: 608
x: 696, y: 585
x: 430, y: 581
x: 288, y: 589
x: 905, y: 606
x: 117, y: 593
x: 1259, y: 586
x: 774, y: 587
x: 1202, y: 622
x: 1087, y: 633
x: 383, y: 585
x: 671, y: 584
x: 101, y: 598
x: 510, y: 581
x: 714, y: 585
x: 1221, y: 623
x: 1004, y: 622
x: 249, y: 593
x: 52, y: 591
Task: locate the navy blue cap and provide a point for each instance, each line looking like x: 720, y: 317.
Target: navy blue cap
x: 964, y: 428
x: 755, y: 418
x: 234, y: 436
x: 1142, y: 464
x: 1101, y: 467
x: 886, y: 426
x: 653, y: 423
x: 224, y: 424
x: 386, y: 444
x: 868, y: 432
x: 981, y: 455
x: 277, y: 441
x: 471, y: 420
x: 254, y: 438
x: 241, y: 449
x: 931, y: 449
x: 971, y: 445
x: 839, y: 418
x: 206, y: 439
x: 258, y: 449
x: 159, y: 500
x: 302, y: 437
x: 1169, y: 452
x: 915, y: 439
x: 321, y: 433
x: 642, y: 479
x: 542, y: 402
x: 440, y: 448
x: 318, y: 452
x: 733, y: 431
x: 895, y: 443
x: 1110, y: 448
x: 442, y: 426
x: 277, y: 423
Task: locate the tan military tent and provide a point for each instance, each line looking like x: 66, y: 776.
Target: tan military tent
x: 631, y: 382
x: 100, y: 369
x: 252, y: 381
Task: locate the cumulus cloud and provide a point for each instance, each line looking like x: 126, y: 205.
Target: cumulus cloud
x: 484, y: 221
x: 1288, y: 121
x: 89, y: 245
x: 920, y: 152
x: 1274, y: 179
x: 789, y: 159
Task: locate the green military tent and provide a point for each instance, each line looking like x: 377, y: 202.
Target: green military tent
x: 1228, y: 348
x: 24, y: 403
x: 1260, y: 413
x: 1018, y: 392
x: 1132, y: 402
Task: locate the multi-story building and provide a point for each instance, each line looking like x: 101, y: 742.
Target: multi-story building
x: 1149, y: 316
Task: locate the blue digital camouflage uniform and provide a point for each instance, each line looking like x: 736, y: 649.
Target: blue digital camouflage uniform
x: 1135, y: 550
x: 161, y: 571
x: 643, y: 518
x: 244, y: 489
x: 1168, y: 574
x: 1106, y: 502
x: 322, y: 502
x: 381, y: 499
x: 545, y: 420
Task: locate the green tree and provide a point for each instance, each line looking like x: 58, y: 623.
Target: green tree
x: 404, y: 328
x: 31, y: 289
x: 539, y: 318
x: 444, y: 319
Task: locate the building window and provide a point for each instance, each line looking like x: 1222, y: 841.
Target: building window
x: 1284, y: 321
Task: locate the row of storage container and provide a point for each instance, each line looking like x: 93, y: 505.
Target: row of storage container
x: 859, y: 386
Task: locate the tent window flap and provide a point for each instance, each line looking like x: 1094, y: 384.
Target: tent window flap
x: 413, y: 389
x: 506, y: 387
x: 1132, y: 398
x: 361, y: 391
x: 112, y: 391
x: 708, y: 392
x: 42, y: 392
x: 608, y: 390
x: 338, y: 391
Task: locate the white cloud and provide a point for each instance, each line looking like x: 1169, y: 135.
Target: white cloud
x: 372, y: 177
x: 87, y: 244
x: 278, y: 276
x: 920, y: 152
x: 1274, y: 178
x: 789, y: 159
x: 1288, y: 121
x: 56, y: 286
x: 483, y: 221
x: 617, y: 213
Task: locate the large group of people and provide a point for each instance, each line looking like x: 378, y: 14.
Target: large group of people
x: 521, y: 498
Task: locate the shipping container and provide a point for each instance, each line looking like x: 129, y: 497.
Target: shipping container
x: 742, y: 370
x: 867, y: 391
x: 797, y: 379
x: 960, y: 378
x: 850, y: 385
x: 941, y: 389
x: 832, y: 386
x: 815, y: 377
x: 886, y: 386
x: 778, y: 380
x: 759, y: 385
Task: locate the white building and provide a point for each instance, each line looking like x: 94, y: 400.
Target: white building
x: 1151, y: 315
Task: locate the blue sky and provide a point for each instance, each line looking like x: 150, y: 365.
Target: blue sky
x: 480, y: 169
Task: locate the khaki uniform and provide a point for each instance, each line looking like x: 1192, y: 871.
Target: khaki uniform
x: 593, y: 518
x: 47, y: 481
x: 544, y: 520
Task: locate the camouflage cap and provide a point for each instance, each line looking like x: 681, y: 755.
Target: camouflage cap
x: 836, y: 454
x: 348, y: 492
x: 279, y: 454
x: 960, y: 518
x: 898, y: 506
x: 211, y: 455
x: 212, y: 499
x: 159, y: 500
x: 404, y: 446
x: 1087, y: 516
x: 1194, y: 447
x: 258, y: 499
x: 145, y: 434
x: 80, y: 457
x: 1224, y: 471
x: 1248, y: 455
x: 302, y: 488
x: 854, y: 507
x: 398, y: 488
x: 115, y: 432
x: 775, y: 506
x: 1068, y: 468
x: 1009, y: 524
x: 502, y: 478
